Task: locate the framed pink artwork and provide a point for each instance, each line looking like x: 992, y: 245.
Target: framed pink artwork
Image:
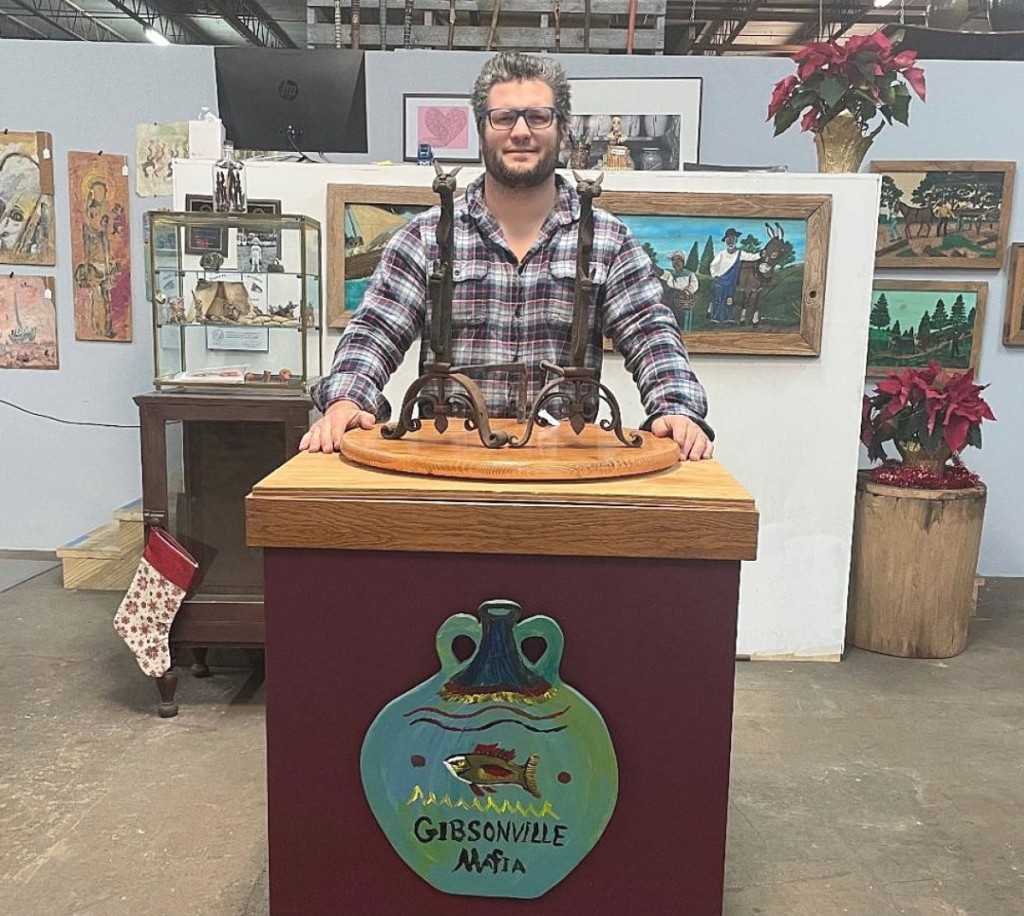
x: 445, y: 123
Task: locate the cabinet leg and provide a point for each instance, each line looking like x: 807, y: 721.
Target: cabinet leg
x: 167, y: 685
x: 199, y: 666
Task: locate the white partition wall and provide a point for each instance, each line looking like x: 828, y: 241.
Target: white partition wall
x: 787, y: 426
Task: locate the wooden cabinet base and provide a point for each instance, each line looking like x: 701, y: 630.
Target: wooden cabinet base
x: 915, y: 557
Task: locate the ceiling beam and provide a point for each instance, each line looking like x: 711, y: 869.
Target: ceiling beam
x: 72, y: 20
x: 178, y: 30
x: 837, y: 16
x: 251, y: 21
x: 718, y: 36
x: 16, y: 27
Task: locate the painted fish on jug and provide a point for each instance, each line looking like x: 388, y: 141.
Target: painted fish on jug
x: 490, y: 765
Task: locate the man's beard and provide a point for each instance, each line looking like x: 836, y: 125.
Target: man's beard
x: 520, y: 178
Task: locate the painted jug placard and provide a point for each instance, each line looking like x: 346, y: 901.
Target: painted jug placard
x: 494, y: 777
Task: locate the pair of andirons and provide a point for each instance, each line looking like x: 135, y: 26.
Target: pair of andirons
x: 570, y: 387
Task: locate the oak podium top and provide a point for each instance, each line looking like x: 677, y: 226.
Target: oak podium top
x: 692, y: 510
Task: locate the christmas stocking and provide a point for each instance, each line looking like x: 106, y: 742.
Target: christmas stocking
x: 144, y: 618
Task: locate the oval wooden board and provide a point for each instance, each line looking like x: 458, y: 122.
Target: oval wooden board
x: 553, y: 453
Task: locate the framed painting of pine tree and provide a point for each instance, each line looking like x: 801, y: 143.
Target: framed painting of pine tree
x: 916, y: 322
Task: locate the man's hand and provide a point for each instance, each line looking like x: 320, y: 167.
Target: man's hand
x: 692, y: 440
x: 341, y: 416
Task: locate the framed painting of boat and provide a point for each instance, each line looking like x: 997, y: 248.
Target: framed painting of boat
x: 742, y: 274
x: 943, y: 213
x: 361, y: 218
x: 916, y: 322
x: 28, y: 323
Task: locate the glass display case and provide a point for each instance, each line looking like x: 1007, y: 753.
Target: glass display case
x: 237, y: 300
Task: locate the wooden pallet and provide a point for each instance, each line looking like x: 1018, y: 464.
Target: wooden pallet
x: 500, y: 25
x: 107, y: 557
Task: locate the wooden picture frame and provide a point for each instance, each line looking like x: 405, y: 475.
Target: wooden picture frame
x: 445, y: 121
x: 790, y: 309
x: 909, y: 308
x: 345, y: 266
x: 1013, y: 322
x: 943, y: 213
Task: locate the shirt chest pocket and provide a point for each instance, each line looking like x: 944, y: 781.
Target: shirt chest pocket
x: 471, y: 292
x: 562, y: 274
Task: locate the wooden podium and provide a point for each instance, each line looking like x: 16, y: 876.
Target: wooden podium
x: 642, y: 573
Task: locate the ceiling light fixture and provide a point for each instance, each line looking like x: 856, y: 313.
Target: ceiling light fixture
x: 159, y: 39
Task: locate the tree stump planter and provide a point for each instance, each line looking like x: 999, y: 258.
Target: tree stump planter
x: 915, y: 558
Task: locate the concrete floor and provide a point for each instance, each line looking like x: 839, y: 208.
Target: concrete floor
x: 877, y: 786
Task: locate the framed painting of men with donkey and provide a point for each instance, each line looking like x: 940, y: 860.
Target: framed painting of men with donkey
x: 943, y: 214
x: 742, y: 275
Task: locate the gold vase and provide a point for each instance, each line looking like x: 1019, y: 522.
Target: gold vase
x: 840, y: 144
x: 915, y: 455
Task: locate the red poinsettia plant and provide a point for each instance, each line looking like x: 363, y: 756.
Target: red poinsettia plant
x: 862, y: 76
x: 929, y: 406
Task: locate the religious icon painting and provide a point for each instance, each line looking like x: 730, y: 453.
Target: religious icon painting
x: 27, y: 229
x: 100, y: 246
x: 943, y: 214
x: 28, y: 323
x: 917, y: 322
x: 156, y: 148
x: 742, y: 275
x: 493, y: 778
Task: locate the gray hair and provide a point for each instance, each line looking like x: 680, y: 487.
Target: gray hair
x: 512, y: 66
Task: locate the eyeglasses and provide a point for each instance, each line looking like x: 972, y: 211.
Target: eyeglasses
x: 507, y: 118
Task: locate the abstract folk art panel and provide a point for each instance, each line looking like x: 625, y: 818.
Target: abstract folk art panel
x: 100, y: 246
x: 741, y: 274
x: 156, y: 148
x: 943, y: 214
x: 916, y: 322
x: 28, y: 323
x: 27, y: 229
x: 493, y: 778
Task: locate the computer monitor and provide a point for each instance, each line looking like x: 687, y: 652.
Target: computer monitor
x: 293, y: 100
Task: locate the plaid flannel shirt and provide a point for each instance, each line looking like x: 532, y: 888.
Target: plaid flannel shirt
x: 510, y: 311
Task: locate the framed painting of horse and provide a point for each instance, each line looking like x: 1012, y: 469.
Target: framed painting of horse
x: 916, y: 322
x: 943, y: 213
x: 742, y: 274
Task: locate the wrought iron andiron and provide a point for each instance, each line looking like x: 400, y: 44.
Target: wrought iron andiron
x: 582, y: 379
x: 468, y: 396
x: 440, y: 370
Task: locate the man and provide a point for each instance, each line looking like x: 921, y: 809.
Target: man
x: 515, y: 241
x: 682, y: 284
x: 725, y: 274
